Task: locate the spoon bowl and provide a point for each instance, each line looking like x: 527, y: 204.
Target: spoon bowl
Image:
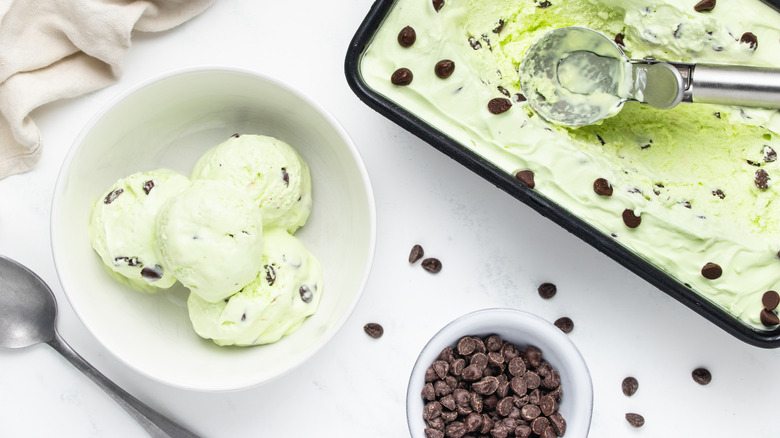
x: 28, y: 311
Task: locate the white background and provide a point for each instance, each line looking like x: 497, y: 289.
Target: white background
x: 495, y: 253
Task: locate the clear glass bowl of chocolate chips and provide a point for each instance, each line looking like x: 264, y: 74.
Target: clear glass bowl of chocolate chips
x: 499, y: 373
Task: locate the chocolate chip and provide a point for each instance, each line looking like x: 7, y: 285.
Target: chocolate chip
x: 153, y: 273
x: 770, y: 300
x: 529, y: 412
x: 761, y: 179
x: 474, y: 43
x: 499, y: 105
x: 407, y: 36
x: 619, y: 39
x: 630, y: 385
x: 719, y: 193
x: 769, y: 318
x: 770, y: 155
x: 750, y: 39
x: 544, y: 4
x: 374, y: 330
x: 602, y: 187
x: 503, y: 91
x: 539, y: 424
x: 466, y: 346
x: 702, y: 376
x: 432, y: 265
x: 270, y: 274
x: 444, y: 68
x: 111, y: 197
x: 500, y: 26
x: 526, y: 177
x: 428, y: 393
x: 630, y: 219
x: 704, y: 6
x: 441, y: 368
x: 438, y: 4
x: 565, y: 324
x: 523, y: 431
x: 548, y: 405
x: 534, y: 356
x: 519, y: 97
x: 711, y: 271
x: 547, y: 290
x: 493, y: 343
x: 416, y: 253
x: 130, y: 261
x: 148, y: 186
x: 285, y: 177
x: 441, y: 388
x: 516, y: 366
x: 433, y: 433
x: 403, y: 76
x: 306, y: 294
x: 558, y: 423
x: 635, y: 420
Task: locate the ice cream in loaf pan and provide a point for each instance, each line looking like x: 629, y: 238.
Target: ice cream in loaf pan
x: 691, y: 190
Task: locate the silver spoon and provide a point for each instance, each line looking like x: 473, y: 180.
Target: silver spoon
x: 27, y: 314
x: 576, y: 76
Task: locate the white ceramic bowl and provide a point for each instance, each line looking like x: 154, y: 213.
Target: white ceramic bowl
x: 522, y: 329
x: 169, y: 122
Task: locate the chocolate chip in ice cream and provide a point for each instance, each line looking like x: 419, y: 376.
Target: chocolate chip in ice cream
x: 565, y: 324
x: 761, y: 179
x: 306, y: 294
x: 375, y: 331
x: 711, y: 271
x: 152, y: 273
x: 407, y: 36
x: 148, y: 186
x: 547, y: 290
x: 630, y: 386
x: 704, y: 6
x: 438, y: 4
x: 750, y: 39
x: 474, y: 43
x: 403, y: 76
x: 631, y: 219
x: 719, y: 193
x: 544, y: 4
x: 500, y: 26
x: 702, y: 376
x: 770, y: 300
x: 432, y: 265
x: 635, y: 420
x: 499, y: 105
x: 769, y: 318
x: 504, y: 91
x: 770, y: 156
x: 416, y: 253
x: 111, y: 197
x: 602, y: 187
x: 519, y: 97
x: 620, y: 39
x: 444, y: 68
x: 526, y: 177
x: 270, y: 274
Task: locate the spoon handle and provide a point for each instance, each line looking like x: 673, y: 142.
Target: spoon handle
x: 730, y: 84
x: 155, y: 424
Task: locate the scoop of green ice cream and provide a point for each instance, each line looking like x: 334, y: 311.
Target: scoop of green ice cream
x: 273, y: 173
x: 285, y: 292
x: 122, y: 227
x: 210, y: 238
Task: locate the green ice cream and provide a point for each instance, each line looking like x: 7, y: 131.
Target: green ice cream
x: 122, y: 227
x: 286, y: 291
x: 210, y: 237
x: 270, y: 170
x: 701, y: 177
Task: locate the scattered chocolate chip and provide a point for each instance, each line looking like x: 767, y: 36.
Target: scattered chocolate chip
x: 558, y: 423
x: 770, y: 155
x: 416, y: 253
x: 761, y: 179
x: 601, y: 140
x: 236, y: 135
x: 444, y: 68
x: 769, y: 318
x: 750, y: 39
x: 153, y: 273
x: 547, y: 290
x: 711, y: 271
x: 306, y: 294
x: 111, y: 197
x: 619, y: 39
x: 630, y: 385
x: 503, y: 91
x: 148, y: 186
x: 407, y: 36
x: 474, y: 43
x: 526, y: 177
x: 631, y: 219
x: 375, y: 331
x: 285, y: 177
x: 635, y: 420
x: 438, y: 4
x: 500, y: 26
x: 704, y: 6
x: 544, y: 4
x: 432, y: 265
x: 716, y: 114
x: 401, y: 77
x: 602, y: 187
x: 719, y: 193
x: 131, y: 261
x: 702, y: 376
x: 519, y: 97
x: 565, y: 324
x: 499, y: 105
x: 770, y: 300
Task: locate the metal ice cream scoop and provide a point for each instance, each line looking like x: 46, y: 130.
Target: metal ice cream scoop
x: 576, y: 76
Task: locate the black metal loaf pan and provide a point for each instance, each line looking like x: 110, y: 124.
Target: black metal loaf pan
x: 547, y: 208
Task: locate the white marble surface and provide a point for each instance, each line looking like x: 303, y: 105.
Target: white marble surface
x: 495, y: 252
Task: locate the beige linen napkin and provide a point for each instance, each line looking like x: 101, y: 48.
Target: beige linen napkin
x: 55, y: 49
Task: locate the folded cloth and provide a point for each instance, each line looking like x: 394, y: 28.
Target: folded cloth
x: 55, y: 49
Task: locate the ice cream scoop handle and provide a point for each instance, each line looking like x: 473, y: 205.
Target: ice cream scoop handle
x: 153, y: 423
x: 735, y: 85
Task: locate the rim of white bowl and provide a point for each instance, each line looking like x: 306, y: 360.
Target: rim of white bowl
x: 495, y: 317
x: 75, y: 146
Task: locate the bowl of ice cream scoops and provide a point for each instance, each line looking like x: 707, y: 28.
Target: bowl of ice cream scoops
x: 213, y: 228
